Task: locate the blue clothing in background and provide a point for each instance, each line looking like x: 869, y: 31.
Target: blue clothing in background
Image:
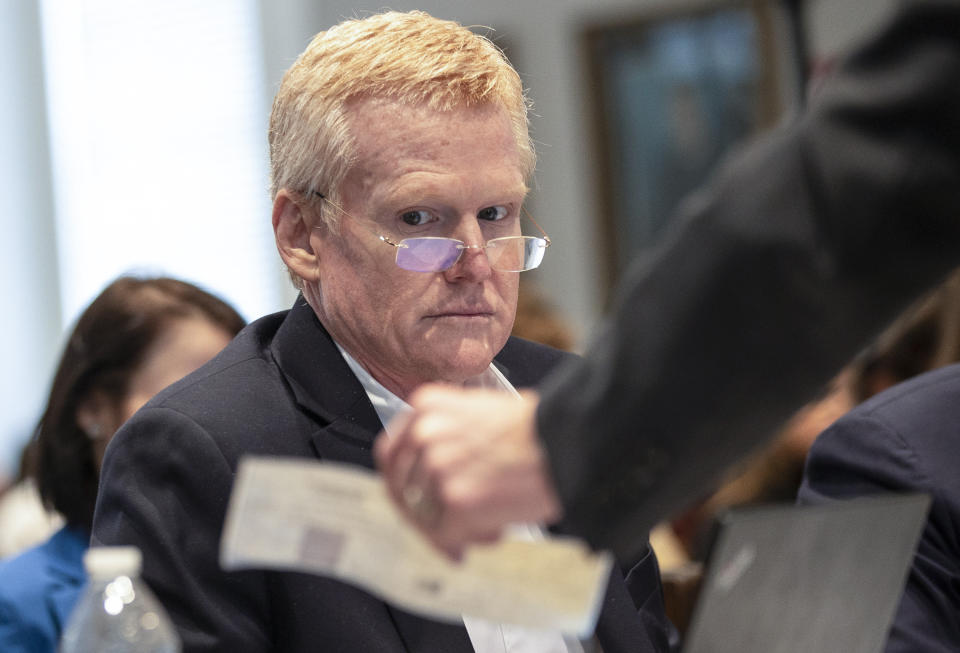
x: 38, y: 590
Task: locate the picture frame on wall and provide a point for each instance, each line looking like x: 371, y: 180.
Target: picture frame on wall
x: 672, y: 92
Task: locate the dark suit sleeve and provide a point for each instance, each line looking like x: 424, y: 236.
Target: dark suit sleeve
x: 164, y: 488
x: 861, y: 455
x: 633, y: 616
x: 802, y: 248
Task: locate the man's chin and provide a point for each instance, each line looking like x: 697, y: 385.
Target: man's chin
x: 459, y: 365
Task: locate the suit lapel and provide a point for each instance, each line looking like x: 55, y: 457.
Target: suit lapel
x: 324, y: 386
x: 420, y: 635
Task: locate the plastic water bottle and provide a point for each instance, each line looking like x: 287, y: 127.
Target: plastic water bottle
x: 117, y: 613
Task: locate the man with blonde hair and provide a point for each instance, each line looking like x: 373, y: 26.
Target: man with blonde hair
x: 400, y: 158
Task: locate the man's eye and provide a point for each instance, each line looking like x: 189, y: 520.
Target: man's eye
x: 492, y: 213
x: 416, y: 218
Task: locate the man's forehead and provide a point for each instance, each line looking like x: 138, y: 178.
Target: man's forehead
x: 418, y: 188
x: 412, y: 150
x: 372, y: 119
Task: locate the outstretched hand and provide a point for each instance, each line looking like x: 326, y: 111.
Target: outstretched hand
x: 466, y: 463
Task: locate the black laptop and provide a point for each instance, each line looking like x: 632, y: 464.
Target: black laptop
x: 806, y: 579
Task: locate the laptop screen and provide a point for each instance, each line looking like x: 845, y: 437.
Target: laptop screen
x: 791, y: 579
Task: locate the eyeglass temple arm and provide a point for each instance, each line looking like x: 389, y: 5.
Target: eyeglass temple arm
x: 537, y: 224
x: 360, y: 222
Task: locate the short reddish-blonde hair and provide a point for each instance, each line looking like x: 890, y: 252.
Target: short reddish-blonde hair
x: 411, y: 57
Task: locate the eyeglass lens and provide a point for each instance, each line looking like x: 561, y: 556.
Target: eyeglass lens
x: 510, y: 254
x: 427, y: 254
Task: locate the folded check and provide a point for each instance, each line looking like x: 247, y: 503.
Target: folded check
x: 273, y: 521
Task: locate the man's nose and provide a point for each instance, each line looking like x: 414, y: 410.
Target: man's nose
x: 473, y: 262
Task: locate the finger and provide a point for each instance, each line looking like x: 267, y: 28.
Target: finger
x: 425, y: 486
x: 396, y: 456
x: 421, y: 504
x: 454, y: 543
x: 435, y: 396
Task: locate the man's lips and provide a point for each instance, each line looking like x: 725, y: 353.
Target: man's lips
x: 465, y: 312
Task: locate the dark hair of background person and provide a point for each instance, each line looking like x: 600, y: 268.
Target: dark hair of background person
x: 925, y: 338
x: 107, y: 345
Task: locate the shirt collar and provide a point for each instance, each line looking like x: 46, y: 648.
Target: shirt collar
x: 389, y: 405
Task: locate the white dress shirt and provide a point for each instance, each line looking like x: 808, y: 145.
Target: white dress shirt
x: 486, y: 636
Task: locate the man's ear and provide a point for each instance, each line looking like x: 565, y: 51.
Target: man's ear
x: 292, y: 233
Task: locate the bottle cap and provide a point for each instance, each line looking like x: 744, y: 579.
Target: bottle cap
x: 112, y: 561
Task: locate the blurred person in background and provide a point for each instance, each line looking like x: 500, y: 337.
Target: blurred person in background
x: 137, y: 337
x: 539, y: 320
x: 24, y: 521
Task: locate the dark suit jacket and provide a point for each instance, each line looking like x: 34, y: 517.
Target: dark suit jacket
x: 281, y: 388
x: 802, y: 248
x: 906, y: 439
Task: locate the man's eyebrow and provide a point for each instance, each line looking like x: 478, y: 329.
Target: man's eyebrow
x: 428, y: 194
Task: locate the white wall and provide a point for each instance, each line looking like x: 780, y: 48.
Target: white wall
x: 30, y: 320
